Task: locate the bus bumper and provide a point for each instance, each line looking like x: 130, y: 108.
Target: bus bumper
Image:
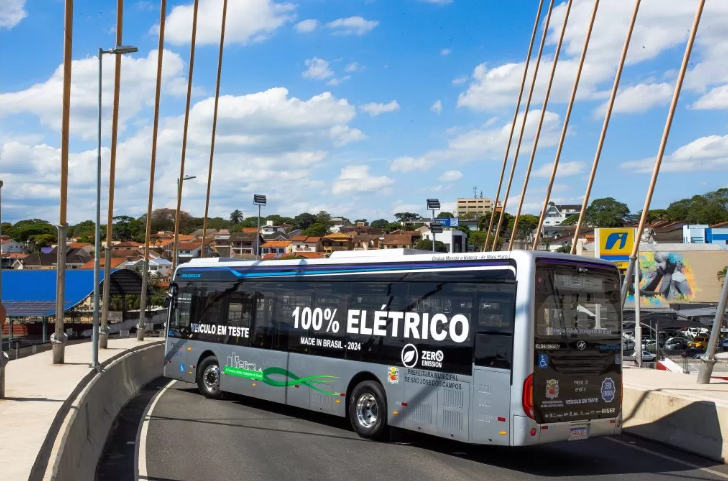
x: 526, y: 432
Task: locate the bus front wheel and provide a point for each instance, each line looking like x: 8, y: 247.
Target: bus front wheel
x: 368, y: 410
x: 208, y: 378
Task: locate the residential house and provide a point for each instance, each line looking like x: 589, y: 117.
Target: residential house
x: 75, y: 259
x: 270, y: 229
x: 158, y: 266
x: 401, y: 240
x: 337, y: 242
x: 85, y: 246
x: 303, y: 243
x: 10, y: 246
x: 360, y: 228
x: 337, y: 223
x: 277, y: 248
x: 244, y: 243
x: 116, y: 263
x: 221, y: 243
x: 191, y: 250
x: 556, y: 214
x: 366, y: 242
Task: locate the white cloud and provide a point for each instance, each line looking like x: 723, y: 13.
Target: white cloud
x: 715, y: 99
x: 339, y: 81
x: 702, y: 154
x: 356, y: 178
x: 354, y: 67
x: 265, y: 140
x: 460, y: 80
x: 247, y: 22
x: 318, y: 69
x: 352, y: 26
x: 437, y: 107
x: 138, y: 77
x: 486, y: 143
x: 445, y: 52
x: 661, y: 26
x: 12, y: 12
x: 451, y: 175
x: 638, y: 98
x: 566, y: 169
x: 306, y: 26
x: 375, y: 109
x: 409, y: 164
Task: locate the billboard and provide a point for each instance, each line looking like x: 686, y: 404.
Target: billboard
x: 614, y: 244
x: 448, y: 221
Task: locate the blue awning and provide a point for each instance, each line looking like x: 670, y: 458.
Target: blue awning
x: 33, y: 292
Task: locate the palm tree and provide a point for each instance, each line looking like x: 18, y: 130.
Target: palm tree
x: 236, y: 217
x: 722, y: 274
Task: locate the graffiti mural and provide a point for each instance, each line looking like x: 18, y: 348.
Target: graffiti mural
x: 664, y: 277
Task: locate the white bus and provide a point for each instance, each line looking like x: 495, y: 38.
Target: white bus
x: 512, y: 348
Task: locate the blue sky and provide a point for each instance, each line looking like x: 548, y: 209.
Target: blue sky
x: 363, y: 108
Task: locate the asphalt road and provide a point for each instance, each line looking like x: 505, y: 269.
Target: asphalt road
x: 190, y: 438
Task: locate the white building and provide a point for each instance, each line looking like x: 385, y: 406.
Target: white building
x: 704, y: 234
x: 556, y: 214
x: 158, y: 266
x: 12, y: 247
x: 270, y: 229
x: 454, y: 240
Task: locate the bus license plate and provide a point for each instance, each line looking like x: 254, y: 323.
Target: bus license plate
x: 578, y: 433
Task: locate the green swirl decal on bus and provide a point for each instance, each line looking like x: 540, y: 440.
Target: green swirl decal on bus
x: 291, y: 379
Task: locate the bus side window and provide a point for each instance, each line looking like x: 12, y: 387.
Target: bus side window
x: 289, y: 297
x: 494, y: 329
x: 262, y: 335
x: 240, y: 309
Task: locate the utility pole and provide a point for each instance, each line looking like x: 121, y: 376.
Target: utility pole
x: 59, y: 337
x: 637, y: 321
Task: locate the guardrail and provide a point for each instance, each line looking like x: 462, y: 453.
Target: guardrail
x: 77, y: 435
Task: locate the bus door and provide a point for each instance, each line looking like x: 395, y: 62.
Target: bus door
x: 492, y: 360
x: 178, y: 329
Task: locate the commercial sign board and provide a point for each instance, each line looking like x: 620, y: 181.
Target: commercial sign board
x: 615, y: 244
x: 448, y: 221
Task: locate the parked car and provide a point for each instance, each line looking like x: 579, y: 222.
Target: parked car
x: 699, y: 342
x: 676, y: 344
x: 724, y: 343
x: 647, y: 356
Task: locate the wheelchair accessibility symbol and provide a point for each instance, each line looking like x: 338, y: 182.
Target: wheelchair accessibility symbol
x: 543, y: 361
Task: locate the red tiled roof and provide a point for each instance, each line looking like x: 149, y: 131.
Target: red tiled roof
x: 250, y: 230
x: 299, y: 238
x: 276, y: 244
x: 115, y: 262
x: 307, y: 255
x: 189, y: 246
x: 78, y: 245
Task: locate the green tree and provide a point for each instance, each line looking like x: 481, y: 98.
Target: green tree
x: 426, y: 245
x: 710, y: 208
x: 606, y: 212
x: 527, y: 224
x: 304, y: 221
x: 722, y: 275
x: 565, y: 249
x: 406, y: 216
x: 571, y: 220
x: 392, y: 226
x: 279, y: 220
x: 236, y: 216
x: 127, y: 228
x: 445, y: 214
x: 477, y: 239
x: 380, y: 223
x: 657, y: 215
x: 468, y: 216
x: 316, y: 230
x: 323, y: 218
x: 34, y: 230
x: 250, y: 222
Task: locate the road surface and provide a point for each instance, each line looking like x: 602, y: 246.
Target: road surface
x: 190, y: 438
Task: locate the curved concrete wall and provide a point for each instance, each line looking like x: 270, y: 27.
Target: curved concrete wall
x: 81, y: 438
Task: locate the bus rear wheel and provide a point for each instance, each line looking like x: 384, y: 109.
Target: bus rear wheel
x: 368, y: 410
x: 208, y: 378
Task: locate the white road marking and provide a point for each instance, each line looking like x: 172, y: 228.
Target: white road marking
x: 669, y: 458
x: 140, y: 457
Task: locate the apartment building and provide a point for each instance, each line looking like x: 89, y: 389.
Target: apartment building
x: 474, y: 205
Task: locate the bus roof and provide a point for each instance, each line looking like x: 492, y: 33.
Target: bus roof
x: 392, y: 255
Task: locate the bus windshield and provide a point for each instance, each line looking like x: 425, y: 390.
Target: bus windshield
x: 576, y: 302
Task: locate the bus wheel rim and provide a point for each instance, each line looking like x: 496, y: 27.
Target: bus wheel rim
x: 211, y: 378
x: 367, y: 410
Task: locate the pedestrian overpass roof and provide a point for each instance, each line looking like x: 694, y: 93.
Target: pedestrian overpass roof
x: 33, y: 292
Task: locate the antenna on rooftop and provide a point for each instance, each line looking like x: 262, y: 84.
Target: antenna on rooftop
x: 475, y: 191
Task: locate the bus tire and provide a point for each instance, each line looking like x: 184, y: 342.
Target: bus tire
x: 368, y: 410
x: 208, y: 378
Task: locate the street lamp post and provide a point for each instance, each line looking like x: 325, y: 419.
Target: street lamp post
x: 95, y: 334
x: 433, y: 205
x: 176, y: 226
x: 258, y: 200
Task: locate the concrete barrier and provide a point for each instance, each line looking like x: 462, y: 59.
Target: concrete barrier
x: 80, y: 441
x: 687, y: 423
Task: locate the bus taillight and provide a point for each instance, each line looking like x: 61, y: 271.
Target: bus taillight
x: 528, y: 397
